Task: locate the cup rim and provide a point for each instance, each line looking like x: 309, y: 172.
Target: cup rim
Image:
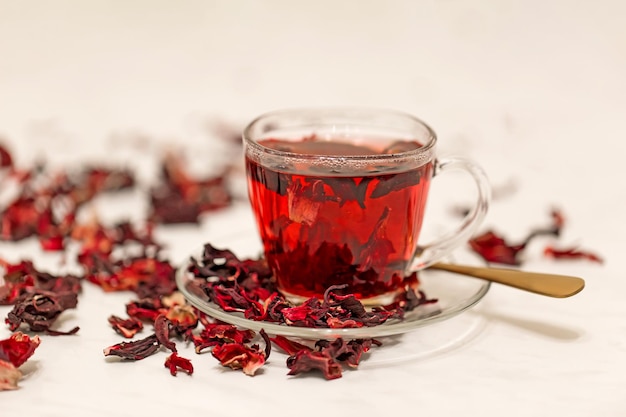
x: 427, y: 147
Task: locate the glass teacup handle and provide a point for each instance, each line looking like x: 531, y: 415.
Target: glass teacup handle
x: 433, y: 252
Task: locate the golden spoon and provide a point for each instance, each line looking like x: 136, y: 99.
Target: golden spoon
x: 552, y: 285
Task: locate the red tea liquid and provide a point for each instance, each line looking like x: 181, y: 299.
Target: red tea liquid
x: 320, y: 228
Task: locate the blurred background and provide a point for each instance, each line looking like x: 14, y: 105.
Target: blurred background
x: 520, y: 86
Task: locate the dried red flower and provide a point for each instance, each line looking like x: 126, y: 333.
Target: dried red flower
x: 289, y: 346
x: 20, y: 218
x: 96, y: 180
x: 329, y: 356
x: 135, y: 350
x: 126, y: 327
x: 6, y: 160
x: 18, y: 348
x: 9, y: 375
x: 571, y: 253
x: 215, y: 334
x: 145, y: 276
x: 47, y: 204
x: 347, y: 352
x: 494, y: 248
x: 182, y: 317
x: 177, y: 363
x: 40, y: 309
x: 162, y: 328
x: 16, y: 281
x: 246, y: 286
x: 22, y: 277
x: 14, y: 351
x: 146, y: 309
x: 305, y: 361
x: 179, y: 198
x: 239, y: 356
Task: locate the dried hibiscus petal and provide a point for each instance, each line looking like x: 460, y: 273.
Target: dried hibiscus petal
x: 20, y: 218
x: 126, y: 327
x: 231, y: 299
x: 100, y: 179
x: 40, y: 309
x: 328, y: 357
x: 9, y: 375
x: 347, y: 352
x: 268, y: 343
x: 47, y: 204
x: 18, y: 348
x: 136, y: 350
x: 215, y: 334
x: 407, y: 301
x: 22, y: 277
x: 182, y: 317
x: 392, y: 182
x: 239, y: 356
x: 311, y: 313
x: 291, y: 347
x: 6, y: 160
x: 146, y: 276
x: 179, y: 198
x: 494, y: 248
x: 146, y: 309
x: 177, y: 363
x: 305, y: 361
x: 14, y: 351
x: 162, y: 328
x: 346, y: 189
x: 571, y: 253
x: 246, y: 286
x: 15, y: 282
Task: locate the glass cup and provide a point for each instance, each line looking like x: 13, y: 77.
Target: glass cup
x: 339, y: 196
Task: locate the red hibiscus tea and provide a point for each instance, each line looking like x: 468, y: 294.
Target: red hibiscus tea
x: 323, y: 227
x: 339, y: 198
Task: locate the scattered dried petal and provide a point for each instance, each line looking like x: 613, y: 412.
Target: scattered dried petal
x: 126, y: 327
x: 179, y: 198
x: 177, y: 363
x: 571, y: 253
x: 9, y: 375
x: 268, y: 343
x: 40, y: 309
x: 136, y: 350
x: 162, y: 330
x: 6, y: 160
x: 146, y: 309
x: 146, y: 276
x: 239, y: 356
x: 289, y: 346
x: 305, y: 361
x: 182, y: 317
x: 215, y: 334
x: 18, y: 348
x: 494, y: 248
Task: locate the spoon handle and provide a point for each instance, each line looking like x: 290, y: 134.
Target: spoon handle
x: 559, y: 286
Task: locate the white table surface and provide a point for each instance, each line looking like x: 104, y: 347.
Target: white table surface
x: 532, y: 90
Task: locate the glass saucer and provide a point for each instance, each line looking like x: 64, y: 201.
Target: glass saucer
x: 455, y: 294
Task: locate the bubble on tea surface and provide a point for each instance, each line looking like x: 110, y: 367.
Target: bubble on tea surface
x: 318, y: 147
x: 402, y: 146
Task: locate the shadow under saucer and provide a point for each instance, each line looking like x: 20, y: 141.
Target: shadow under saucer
x: 428, y: 342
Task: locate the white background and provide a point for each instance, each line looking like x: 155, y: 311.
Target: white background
x: 535, y: 91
